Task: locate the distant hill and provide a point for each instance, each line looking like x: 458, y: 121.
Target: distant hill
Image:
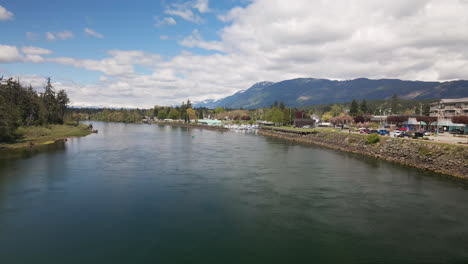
x: 310, y: 91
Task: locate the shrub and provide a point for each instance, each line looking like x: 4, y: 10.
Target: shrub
x: 372, y: 139
x: 425, y: 138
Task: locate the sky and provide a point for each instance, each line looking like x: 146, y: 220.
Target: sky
x: 145, y: 53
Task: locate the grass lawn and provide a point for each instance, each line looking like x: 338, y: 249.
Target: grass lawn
x: 41, y: 135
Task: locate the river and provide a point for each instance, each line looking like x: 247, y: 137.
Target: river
x: 136, y: 193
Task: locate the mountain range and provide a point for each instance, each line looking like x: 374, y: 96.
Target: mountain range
x: 310, y: 91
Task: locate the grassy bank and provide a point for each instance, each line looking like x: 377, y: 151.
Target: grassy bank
x: 41, y: 135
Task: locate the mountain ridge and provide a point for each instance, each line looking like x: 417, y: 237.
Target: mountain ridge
x: 310, y: 91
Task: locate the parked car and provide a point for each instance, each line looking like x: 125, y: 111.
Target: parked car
x: 384, y: 132
x: 457, y: 132
x: 397, y: 133
x: 373, y: 131
x: 427, y: 133
x: 306, y: 126
x: 404, y: 134
x: 364, y: 131
x: 419, y: 134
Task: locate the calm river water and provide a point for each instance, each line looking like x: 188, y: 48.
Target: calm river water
x: 153, y: 194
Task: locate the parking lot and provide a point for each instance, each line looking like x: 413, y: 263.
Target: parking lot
x: 440, y: 138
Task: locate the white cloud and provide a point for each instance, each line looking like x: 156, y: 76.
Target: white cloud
x: 275, y: 40
x: 165, y: 21
x: 202, y: 6
x: 50, y: 36
x: 64, y: 35
x: 32, y: 36
x: 35, y: 51
x: 9, y: 54
x: 196, y: 40
x: 163, y: 37
x: 93, y: 33
x: 184, y: 11
x: 5, y: 14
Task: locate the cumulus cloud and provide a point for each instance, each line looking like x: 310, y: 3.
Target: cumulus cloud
x: 163, y: 37
x: 196, y: 40
x: 275, y: 40
x: 9, y: 54
x: 184, y: 11
x: 164, y: 21
x: 90, y: 32
x: 35, y: 51
x: 202, y: 6
x: 5, y: 14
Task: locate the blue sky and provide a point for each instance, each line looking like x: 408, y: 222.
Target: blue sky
x: 142, y: 53
x: 124, y: 25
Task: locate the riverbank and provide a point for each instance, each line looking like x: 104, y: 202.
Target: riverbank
x: 43, y: 135
x: 190, y: 125
x: 441, y: 158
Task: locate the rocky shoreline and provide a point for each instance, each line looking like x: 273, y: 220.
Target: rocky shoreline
x: 440, y: 158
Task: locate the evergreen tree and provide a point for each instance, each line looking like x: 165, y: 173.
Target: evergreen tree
x: 62, y: 103
x: 363, y: 107
x: 281, y: 106
x: 394, y: 104
x: 7, y: 126
x: 50, y: 103
x: 354, y: 109
x: 426, y: 109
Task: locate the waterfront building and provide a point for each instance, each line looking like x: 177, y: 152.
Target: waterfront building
x: 210, y: 122
x: 299, y: 122
x: 445, y: 109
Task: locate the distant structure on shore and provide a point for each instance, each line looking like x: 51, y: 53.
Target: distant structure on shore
x: 445, y: 109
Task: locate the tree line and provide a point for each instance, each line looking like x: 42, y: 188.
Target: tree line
x: 23, y: 106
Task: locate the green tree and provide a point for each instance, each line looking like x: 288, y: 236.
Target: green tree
x: 7, y: 126
x: 281, y: 106
x: 336, y: 110
x: 364, y: 108
x: 286, y: 116
x: 62, y: 103
x: 191, y: 114
x: 354, y: 109
x: 162, y: 115
x: 219, y: 110
x: 394, y: 104
x: 174, y: 114
x: 277, y: 116
x: 50, y: 103
x: 426, y: 109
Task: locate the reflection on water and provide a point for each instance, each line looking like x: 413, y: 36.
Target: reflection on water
x: 150, y: 193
